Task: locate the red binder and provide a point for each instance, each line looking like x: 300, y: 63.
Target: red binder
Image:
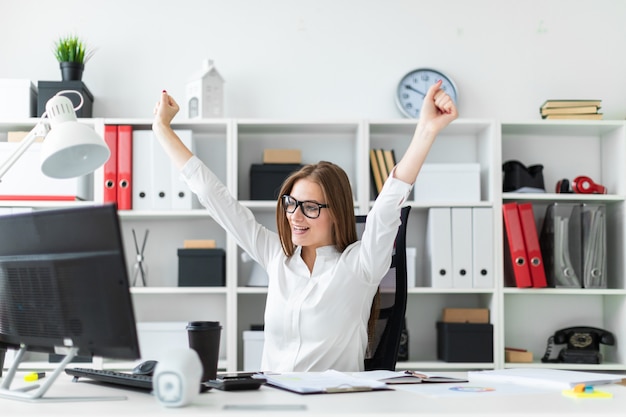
x: 110, y: 166
x: 533, y: 249
x: 124, y: 167
x: 516, y: 246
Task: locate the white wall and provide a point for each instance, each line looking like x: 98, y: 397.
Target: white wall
x: 329, y: 58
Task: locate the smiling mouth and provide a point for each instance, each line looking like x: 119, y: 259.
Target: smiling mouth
x: 299, y: 229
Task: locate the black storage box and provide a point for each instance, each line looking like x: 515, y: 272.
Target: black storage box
x: 266, y: 179
x: 465, y: 342
x: 48, y: 89
x: 201, y: 268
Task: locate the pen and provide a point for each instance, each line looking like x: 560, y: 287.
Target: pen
x: 34, y: 376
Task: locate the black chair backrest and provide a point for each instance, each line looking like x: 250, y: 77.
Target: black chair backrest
x: 383, y: 353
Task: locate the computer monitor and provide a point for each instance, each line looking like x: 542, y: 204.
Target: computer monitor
x: 64, y: 288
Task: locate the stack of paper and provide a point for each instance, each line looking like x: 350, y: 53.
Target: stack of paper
x: 548, y: 378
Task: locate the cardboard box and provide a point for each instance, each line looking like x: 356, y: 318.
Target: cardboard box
x: 199, y: 244
x: 465, y: 342
x: 518, y: 356
x: 465, y: 315
x: 282, y: 156
x: 266, y: 179
x: 201, y: 267
x: 48, y: 89
x: 19, y: 98
x: 448, y: 183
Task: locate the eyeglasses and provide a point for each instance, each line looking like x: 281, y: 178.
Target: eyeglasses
x: 310, y: 209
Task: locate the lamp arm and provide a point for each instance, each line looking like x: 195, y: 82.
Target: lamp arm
x: 40, y: 130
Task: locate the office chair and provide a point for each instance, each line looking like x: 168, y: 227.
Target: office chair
x: 385, y: 342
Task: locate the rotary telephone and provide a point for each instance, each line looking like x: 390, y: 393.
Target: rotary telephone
x: 582, y: 345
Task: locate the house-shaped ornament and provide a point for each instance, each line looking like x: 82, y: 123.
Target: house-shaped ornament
x: 205, y: 93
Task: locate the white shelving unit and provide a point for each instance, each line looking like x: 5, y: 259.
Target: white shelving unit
x: 521, y: 317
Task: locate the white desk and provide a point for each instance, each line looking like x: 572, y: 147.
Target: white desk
x: 268, y: 401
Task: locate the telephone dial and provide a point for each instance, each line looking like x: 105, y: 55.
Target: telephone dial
x: 582, y: 345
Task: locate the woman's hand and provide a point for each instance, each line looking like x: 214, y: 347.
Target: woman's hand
x: 164, y: 111
x: 437, y: 112
x: 438, y: 109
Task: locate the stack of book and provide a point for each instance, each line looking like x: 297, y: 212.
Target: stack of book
x: 571, y: 109
x: 382, y: 162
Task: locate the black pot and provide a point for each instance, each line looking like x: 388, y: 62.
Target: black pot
x: 71, y: 71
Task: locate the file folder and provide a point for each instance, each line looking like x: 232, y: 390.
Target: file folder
x: 142, y: 169
x: 533, y: 249
x: 483, y: 246
x: 110, y: 166
x: 124, y: 167
x: 561, y: 245
x: 181, y: 195
x: 161, y: 178
x: 594, y: 246
x: 462, y: 269
x: 439, y: 247
x: 517, y: 270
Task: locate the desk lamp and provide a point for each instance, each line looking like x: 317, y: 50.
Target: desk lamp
x: 70, y: 149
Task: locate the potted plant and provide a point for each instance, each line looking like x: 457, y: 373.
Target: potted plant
x: 72, y: 54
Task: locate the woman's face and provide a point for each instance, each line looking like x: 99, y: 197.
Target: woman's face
x: 307, y: 232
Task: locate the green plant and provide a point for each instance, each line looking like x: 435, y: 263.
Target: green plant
x: 71, y: 48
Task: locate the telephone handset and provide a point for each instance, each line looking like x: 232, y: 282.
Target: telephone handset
x: 582, y: 345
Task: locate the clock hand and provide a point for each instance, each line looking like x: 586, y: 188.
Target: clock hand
x: 409, y: 87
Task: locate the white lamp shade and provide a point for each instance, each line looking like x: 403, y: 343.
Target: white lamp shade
x: 72, y: 150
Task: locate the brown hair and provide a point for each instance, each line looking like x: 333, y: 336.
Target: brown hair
x: 337, y: 195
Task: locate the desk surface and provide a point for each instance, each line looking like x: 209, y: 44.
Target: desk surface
x: 414, y: 399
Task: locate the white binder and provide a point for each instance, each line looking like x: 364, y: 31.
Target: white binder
x: 462, y: 247
x: 142, y: 169
x: 181, y: 195
x: 482, y: 242
x: 161, y: 177
x: 439, y: 248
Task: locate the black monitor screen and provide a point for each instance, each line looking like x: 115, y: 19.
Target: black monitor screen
x: 64, y: 283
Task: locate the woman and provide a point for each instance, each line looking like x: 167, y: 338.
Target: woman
x: 321, y: 279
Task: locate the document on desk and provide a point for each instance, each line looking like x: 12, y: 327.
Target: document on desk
x: 406, y: 377
x: 326, y: 382
x: 549, y: 378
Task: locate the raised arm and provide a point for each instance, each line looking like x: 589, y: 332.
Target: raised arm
x: 164, y: 111
x: 437, y: 113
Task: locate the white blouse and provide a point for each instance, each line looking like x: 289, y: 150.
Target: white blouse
x: 313, y: 321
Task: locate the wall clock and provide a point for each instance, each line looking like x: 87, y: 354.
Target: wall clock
x: 413, y: 87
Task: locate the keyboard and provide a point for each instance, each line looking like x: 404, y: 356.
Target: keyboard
x: 125, y: 379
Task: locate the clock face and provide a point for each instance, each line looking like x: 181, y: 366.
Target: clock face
x: 413, y: 87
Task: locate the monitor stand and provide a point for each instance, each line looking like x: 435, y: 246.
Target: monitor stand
x: 35, y: 392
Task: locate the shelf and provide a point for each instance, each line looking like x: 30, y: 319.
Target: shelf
x: 564, y: 291
x: 440, y: 365
x: 609, y: 366
x: 564, y: 198
x: 428, y: 290
x: 523, y: 317
x: 177, y: 290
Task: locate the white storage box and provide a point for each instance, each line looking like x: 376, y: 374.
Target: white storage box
x: 25, y: 181
x: 448, y: 183
x: 156, y: 338
x: 253, y: 350
x: 18, y: 98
